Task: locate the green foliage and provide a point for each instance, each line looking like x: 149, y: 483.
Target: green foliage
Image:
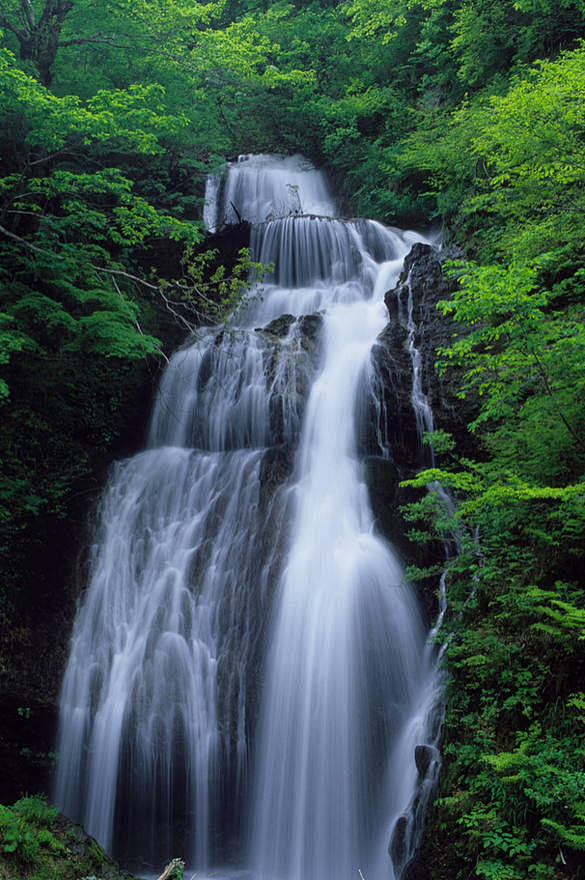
x: 37, y: 843
x: 372, y: 18
x: 468, y: 113
x: 24, y: 832
x: 514, y: 737
x: 526, y: 362
x: 209, y: 292
x: 177, y: 869
x: 532, y: 144
x: 95, y: 219
x: 516, y: 782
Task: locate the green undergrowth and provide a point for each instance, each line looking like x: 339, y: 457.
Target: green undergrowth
x: 38, y: 843
x: 513, y: 792
x: 512, y: 798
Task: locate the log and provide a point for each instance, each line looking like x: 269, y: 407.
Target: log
x: 176, y: 863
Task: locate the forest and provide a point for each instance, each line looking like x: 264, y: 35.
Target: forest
x: 465, y: 117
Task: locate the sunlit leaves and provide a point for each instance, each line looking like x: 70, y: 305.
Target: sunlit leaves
x: 532, y: 144
x: 375, y: 18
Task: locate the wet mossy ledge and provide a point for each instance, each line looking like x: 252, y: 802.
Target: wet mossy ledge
x: 38, y: 843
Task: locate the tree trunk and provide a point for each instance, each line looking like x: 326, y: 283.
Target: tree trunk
x: 38, y: 36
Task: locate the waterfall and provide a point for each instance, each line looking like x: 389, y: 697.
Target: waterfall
x: 250, y: 681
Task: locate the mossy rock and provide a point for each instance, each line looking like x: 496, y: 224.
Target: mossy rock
x: 280, y: 327
x: 38, y: 843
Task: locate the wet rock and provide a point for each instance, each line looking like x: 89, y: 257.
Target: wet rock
x: 398, y: 848
x: 277, y: 465
x: 389, y: 435
x: 382, y: 477
x: 424, y: 755
x: 406, y: 856
x: 310, y: 327
x: 424, y: 274
x: 228, y: 242
x: 280, y: 327
x: 395, y: 418
x: 290, y: 363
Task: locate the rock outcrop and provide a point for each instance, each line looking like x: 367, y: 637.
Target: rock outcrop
x: 390, y: 429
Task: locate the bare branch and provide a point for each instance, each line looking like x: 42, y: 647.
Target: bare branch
x: 29, y: 13
x: 28, y: 244
x: 185, y: 289
x: 18, y: 32
x: 136, y: 322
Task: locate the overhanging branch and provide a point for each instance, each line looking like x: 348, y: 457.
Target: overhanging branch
x: 189, y: 294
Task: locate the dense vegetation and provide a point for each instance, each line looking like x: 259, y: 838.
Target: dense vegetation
x: 469, y: 114
x: 38, y: 842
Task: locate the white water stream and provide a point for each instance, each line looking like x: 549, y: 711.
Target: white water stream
x: 249, y: 675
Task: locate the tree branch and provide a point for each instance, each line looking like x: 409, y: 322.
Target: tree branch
x: 29, y: 13
x: 28, y: 244
x: 136, y: 321
x: 175, y: 865
x: 172, y: 306
x: 91, y: 38
x: 18, y: 32
x: 131, y: 47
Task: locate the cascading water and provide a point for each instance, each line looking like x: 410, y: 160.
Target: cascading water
x: 249, y: 676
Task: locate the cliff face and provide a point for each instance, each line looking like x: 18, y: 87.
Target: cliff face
x: 391, y: 426
x: 416, y: 322
x: 391, y: 436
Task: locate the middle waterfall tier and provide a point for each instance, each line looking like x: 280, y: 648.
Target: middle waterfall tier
x: 248, y: 677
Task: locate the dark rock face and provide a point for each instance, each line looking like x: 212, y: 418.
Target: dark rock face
x: 228, y: 242
x: 423, y: 756
x: 408, y: 826
x: 389, y: 434
x: 310, y: 326
x: 424, y: 274
x: 290, y: 361
x: 280, y: 327
x: 424, y: 279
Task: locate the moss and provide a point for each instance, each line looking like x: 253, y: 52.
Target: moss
x: 279, y: 327
x: 38, y: 843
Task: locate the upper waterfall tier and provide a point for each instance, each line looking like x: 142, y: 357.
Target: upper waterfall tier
x: 318, y: 263
x: 317, y: 260
x: 259, y: 188
x: 310, y: 250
